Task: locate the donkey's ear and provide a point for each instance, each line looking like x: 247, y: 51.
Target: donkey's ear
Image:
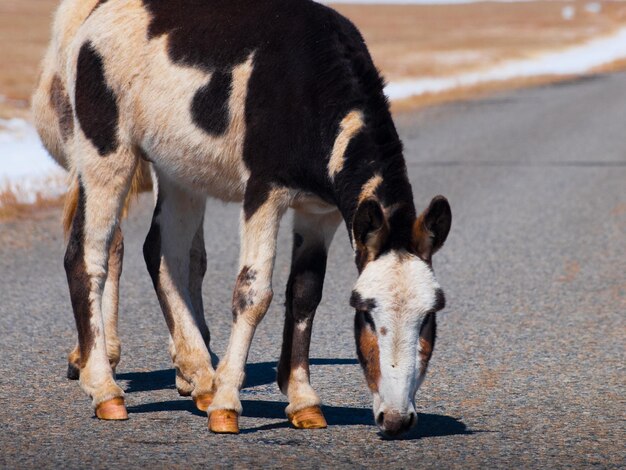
x: 431, y: 228
x: 369, y: 226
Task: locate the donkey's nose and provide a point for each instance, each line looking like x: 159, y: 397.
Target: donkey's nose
x: 393, y: 423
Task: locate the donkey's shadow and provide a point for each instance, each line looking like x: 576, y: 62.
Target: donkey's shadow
x: 428, y: 425
x: 261, y: 373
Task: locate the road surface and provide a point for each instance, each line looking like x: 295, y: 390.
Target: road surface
x: 528, y: 369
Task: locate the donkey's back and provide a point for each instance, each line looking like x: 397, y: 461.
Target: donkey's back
x: 212, y: 91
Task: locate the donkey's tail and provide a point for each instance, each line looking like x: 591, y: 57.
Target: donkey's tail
x: 141, y: 182
x: 71, y: 203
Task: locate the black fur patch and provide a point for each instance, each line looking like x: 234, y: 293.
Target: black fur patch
x: 197, y: 270
x: 73, y: 372
x: 209, y: 108
x: 255, y: 196
x: 243, y: 295
x: 304, y: 289
x: 368, y: 218
x: 360, y: 259
x: 96, y: 104
x: 62, y: 107
x: 438, y: 220
x: 304, y: 293
x: 297, y: 240
x: 152, y: 245
x: 79, y: 281
x: 360, y: 304
x: 152, y: 257
x: 440, y: 300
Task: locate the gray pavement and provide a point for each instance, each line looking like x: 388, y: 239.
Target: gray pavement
x: 528, y: 369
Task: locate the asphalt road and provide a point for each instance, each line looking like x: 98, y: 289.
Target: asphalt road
x: 528, y: 369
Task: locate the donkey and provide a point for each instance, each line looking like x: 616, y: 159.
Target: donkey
x: 275, y: 105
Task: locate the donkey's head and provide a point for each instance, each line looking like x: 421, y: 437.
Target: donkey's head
x: 396, y: 299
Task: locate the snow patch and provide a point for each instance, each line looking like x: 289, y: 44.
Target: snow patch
x: 26, y: 169
x: 572, y: 61
x: 593, y: 7
x: 568, y: 13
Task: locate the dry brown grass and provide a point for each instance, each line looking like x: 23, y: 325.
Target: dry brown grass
x: 24, y: 34
x: 409, y: 41
x: 615, y: 66
x: 18, y: 201
x: 12, y: 208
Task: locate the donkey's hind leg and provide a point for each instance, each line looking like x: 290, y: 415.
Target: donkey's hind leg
x: 197, y: 270
x: 312, y: 234
x: 171, y: 254
x: 103, y: 185
x: 110, y: 303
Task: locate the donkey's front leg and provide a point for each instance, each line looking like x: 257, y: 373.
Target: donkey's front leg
x: 251, y: 299
x: 312, y: 235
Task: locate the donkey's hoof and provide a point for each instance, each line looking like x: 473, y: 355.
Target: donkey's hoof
x: 183, y: 386
x: 73, y: 372
x: 308, y: 418
x: 203, y: 401
x: 113, y: 409
x: 224, y: 422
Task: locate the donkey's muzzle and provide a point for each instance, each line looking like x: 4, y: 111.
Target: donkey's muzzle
x: 393, y: 423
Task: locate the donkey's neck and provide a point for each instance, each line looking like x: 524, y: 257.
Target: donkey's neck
x: 377, y: 170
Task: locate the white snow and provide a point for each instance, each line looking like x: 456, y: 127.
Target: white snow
x: 27, y: 169
x: 25, y: 166
x: 568, y: 13
x: 593, y: 7
x: 572, y: 61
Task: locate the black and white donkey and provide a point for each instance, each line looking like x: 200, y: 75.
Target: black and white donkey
x: 275, y: 104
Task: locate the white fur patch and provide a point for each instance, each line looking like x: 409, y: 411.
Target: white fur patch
x: 301, y: 394
x: 403, y: 288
